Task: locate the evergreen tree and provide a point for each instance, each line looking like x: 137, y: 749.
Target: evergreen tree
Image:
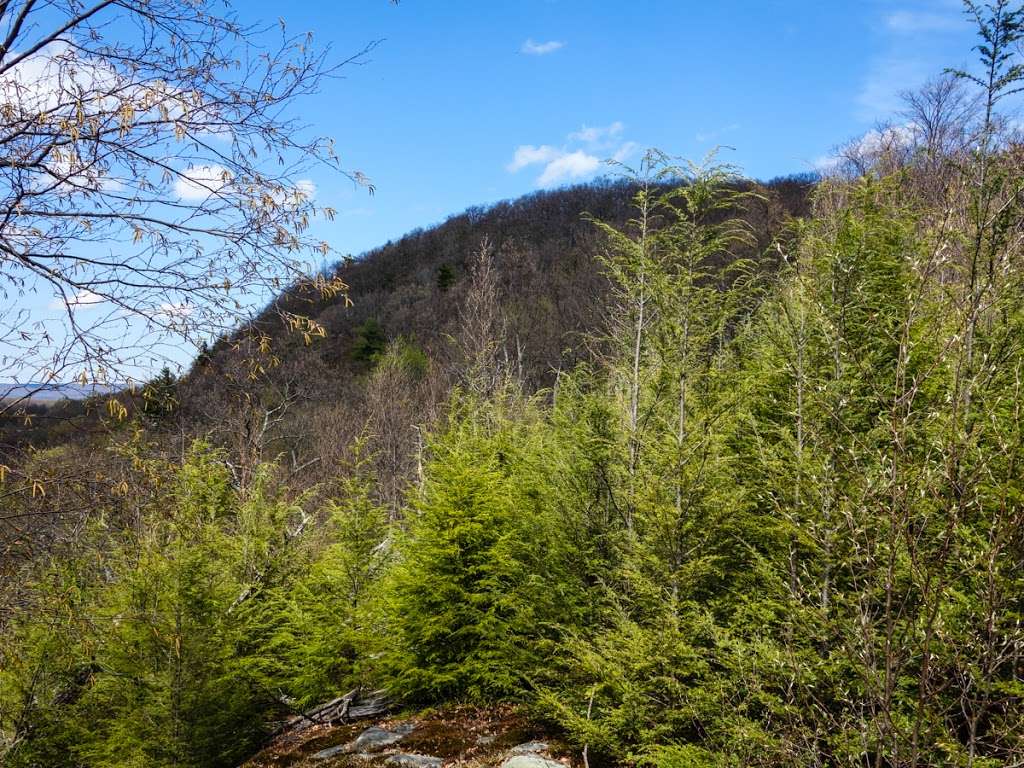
x: 478, y: 590
x: 370, y: 341
x: 160, y: 396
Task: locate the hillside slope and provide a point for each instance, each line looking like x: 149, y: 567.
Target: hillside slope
x: 315, y: 398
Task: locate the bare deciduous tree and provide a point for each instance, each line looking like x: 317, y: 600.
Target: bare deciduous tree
x: 482, y: 325
x: 943, y: 115
x: 154, y: 180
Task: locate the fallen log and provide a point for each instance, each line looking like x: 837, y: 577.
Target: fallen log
x: 344, y: 709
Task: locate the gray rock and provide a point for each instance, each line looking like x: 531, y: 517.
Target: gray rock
x: 530, y: 748
x: 326, y: 754
x: 405, y: 760
x: 375, y: 739
x: 530, y: 761
x: 486, y: 739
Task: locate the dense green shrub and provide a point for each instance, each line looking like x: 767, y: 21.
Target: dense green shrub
x: 479, y: 590
x: 176, y: 643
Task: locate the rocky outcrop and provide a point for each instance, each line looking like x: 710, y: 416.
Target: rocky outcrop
x: 378, y: 739
x: 530, y: 761
x: 530, y: 748
x: 405, y: 760
x: 502, y: 737
x: 532, y: 754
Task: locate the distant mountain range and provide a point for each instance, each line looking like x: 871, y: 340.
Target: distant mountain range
x: 51, y: 391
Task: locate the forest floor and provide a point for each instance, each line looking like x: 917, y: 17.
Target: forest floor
x: 453, y: 736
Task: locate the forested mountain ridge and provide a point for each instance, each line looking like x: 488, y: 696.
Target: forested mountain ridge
x: 545, y: 249
x: 549, y: 293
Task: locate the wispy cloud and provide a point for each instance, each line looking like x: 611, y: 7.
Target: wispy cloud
x: 527, y: 154
x: 911, y: 22
x: 706, y: 136
x: 81, y: 299
x: 589, y: 134
x: 569, y: 167
x: 907, y: 56
x: 886, y: 78
x: 581, y: 157
x: 532, y: 48
x: 198, y: 182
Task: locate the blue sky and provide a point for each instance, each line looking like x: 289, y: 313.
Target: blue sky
x: 436, y: 116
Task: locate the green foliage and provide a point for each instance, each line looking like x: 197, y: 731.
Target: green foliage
x: 408, y: 358
x: 802, y: 572
x: 370, y: 341
x: 445, y: 277
x: 325, y: 618
x: 778, y: 523
x: 163, y: 682
x: 160, y: 396
x: 174, y: 643
x: 472, y: 612
x: 679, y: 686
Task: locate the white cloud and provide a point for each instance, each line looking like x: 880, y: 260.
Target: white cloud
x: 66, y: 84
x: 198, y: 182
x: 540, y: 49
x: 527, y: 154
x: 870, y: 145
x: 305, y: 189
x: 303, y: 192
x: 573, y: 162
x: 569, y: 167
x: 560, y: 165
x: 63, y: 82
x: 623, y: 152
x: 826, y: 163
x: 41, y: 83
x: 68, y: 178
x: 83, y: 298
x: 875, y: 140
x: 909, y: 22
x: 596, y: 134
x: 175, y: 310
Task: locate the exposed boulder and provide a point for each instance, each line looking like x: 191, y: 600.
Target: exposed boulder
x: 376, y: 739
x: 405, y: 760
x: 530, y: 748
x: 327, y: 754
x: 530, y: 761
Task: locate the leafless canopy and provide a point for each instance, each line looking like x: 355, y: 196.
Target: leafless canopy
x: 935, y: 130
x: 153, y: 179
